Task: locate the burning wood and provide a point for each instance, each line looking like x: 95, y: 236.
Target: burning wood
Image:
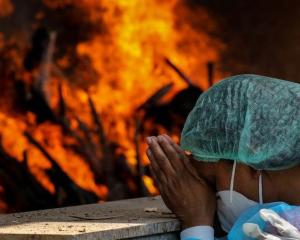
x: 139, y: 166
x: 154, y: 99
x: 73, y: 193
x: 179, y: 72
x: 22, y: 190
x: 75, y: 153
x: 107, y: 164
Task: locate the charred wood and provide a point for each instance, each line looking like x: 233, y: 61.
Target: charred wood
x: 73, y: 193
x: 142, y: 190
x: 107, y: 162
x: 62, y: 108
x: 210, y: 73
x: 179, y: 72
x: 22, y: 191
x: 39, y: 43
x: 158, y: 95
x: 176, y: 110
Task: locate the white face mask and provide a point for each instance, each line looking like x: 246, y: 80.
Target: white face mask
x: 231, y: 204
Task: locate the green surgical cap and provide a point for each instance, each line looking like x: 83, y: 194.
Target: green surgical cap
x: 252, y: 119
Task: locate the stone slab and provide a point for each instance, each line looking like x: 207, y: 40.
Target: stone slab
x: 132, y: 218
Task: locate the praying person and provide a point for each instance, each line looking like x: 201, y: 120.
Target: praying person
x: 240, y: 148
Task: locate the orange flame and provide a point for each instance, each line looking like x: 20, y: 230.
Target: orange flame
x: 129, y: 59
x: 6, y: 8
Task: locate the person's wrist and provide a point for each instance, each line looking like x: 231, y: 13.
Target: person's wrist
x: 192, y: 222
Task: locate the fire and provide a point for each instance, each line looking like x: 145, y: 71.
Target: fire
x: 130, y: 59
x: 129, y: 63
x: 6, y: 8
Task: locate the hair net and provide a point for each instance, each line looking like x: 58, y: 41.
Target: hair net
x: 252, y: 119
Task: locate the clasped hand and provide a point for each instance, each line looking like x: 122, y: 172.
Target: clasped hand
x: 183, y: 191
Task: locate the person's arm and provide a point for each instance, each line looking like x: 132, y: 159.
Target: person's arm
x: 183, y: 191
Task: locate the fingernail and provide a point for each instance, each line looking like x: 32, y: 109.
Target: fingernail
x: 160, y: 138
x: 148, y: 140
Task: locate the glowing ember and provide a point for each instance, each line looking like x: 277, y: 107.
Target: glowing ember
x: 6, y: 8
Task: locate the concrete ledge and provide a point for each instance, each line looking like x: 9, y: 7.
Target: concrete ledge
x: 141, y: 218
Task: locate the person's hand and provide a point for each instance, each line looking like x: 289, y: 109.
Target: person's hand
x: 183, y: 191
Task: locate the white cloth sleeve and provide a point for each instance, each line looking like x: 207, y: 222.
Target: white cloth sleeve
x: 198, y: 233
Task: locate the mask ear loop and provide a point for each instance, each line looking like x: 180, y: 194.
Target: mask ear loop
x: 260, y: 188
x: 232, y: 180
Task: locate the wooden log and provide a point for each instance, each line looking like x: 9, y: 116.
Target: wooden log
x: 154, y: 99
x: 108, y: 168
x: 179, y: 72
x: 62, y: 107
x: 210, y: 73
x: 22, y: 190
x: 74, y: 193
x: 142, y: 190
x: 86, y: 146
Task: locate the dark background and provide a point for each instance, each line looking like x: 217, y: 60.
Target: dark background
x: 262, y: 37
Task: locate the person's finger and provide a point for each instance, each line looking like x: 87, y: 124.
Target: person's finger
x: 162, y: 188
x: 158, y: 175
x: 160, y: 157
x: 171, y: 153
x: 183, y: 157
x: 157, y: 181
x: 175, y: 145
x: 180, y: 151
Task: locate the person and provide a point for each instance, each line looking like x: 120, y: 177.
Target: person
x: 243, y: 142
